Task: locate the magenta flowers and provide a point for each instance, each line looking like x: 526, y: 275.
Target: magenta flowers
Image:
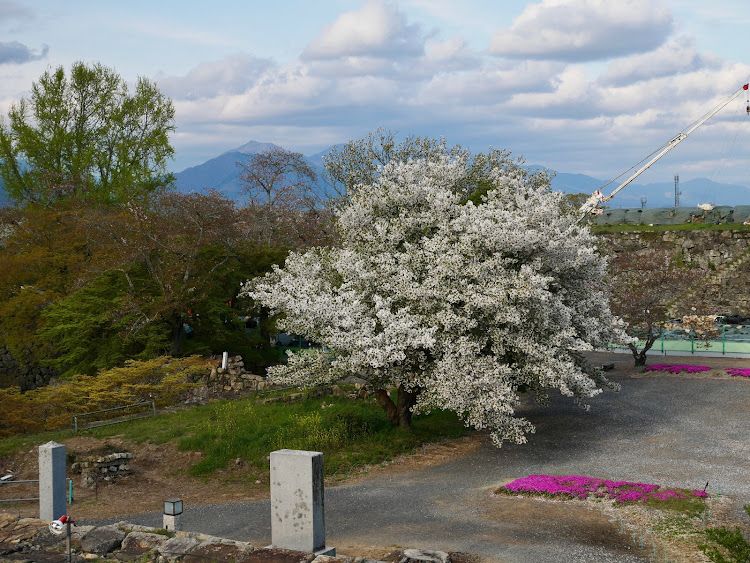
x: 577, y: 486
x: 677, y: 368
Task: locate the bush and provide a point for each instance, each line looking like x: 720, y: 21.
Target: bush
x: 162, y: 380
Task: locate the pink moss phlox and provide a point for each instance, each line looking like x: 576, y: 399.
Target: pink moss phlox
x: 739, y: 372
x: 677, y: 368
x: 578, y: 486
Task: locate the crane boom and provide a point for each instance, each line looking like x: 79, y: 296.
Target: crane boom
x: 597, y: 197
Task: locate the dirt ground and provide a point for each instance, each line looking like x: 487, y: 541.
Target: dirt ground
x: 159, y: 471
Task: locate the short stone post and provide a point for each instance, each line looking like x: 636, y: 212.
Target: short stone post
x: 297, y: 511
x: 172, y: 519
x: 52, y: 481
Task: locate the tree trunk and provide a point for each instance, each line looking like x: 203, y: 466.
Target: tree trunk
x: 398, y: 413
x: 176, y: 336
x: 640, y: 355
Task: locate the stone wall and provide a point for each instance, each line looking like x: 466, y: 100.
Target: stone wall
x: 28, y: 539
x: 24, y: 374
x: 724, y: 254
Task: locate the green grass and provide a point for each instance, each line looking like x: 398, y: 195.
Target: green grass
x: 689, y: 507
x: 351, y: 433
x: 599, y: 229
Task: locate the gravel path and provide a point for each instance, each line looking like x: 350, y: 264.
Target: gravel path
x: 673, y: 430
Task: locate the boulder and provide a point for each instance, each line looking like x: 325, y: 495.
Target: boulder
x: 418, y: 556
x: 177, y: 547
x: 278, y: 556
x: 102, y: 540
x: 217, y: 549
x: 141, y: 542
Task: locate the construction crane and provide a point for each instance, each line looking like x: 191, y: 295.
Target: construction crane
x: 592, y: 203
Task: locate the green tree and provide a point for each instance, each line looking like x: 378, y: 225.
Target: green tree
x: 360, y: 161
x: 43, y: 255
x: 643, y: 284
x: 84, y: 135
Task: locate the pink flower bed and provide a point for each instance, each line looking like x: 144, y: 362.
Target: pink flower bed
x: 677, y: 368
x: 739, y: 372
x: 577, y: 486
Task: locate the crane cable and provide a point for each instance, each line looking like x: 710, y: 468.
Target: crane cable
x: 590, y: 206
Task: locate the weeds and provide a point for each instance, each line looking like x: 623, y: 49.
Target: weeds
x: 728, y: 546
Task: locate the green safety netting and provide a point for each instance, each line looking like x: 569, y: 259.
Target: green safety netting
x: 673, y: 215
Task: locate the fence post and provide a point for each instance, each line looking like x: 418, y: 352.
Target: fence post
x: 75, y: 423
x: 51, y: 481
x: 297, y: 511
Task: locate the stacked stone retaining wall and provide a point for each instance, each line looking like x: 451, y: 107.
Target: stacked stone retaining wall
x: 724, y: 254
x: 24, y: 374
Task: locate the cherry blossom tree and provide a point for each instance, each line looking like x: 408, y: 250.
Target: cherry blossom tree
x: 644, y: 284
x: 458, y: 305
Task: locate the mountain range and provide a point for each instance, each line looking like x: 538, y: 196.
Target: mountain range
x: 222, y: 173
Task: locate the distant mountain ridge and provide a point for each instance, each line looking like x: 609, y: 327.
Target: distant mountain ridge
x: 222, y: 173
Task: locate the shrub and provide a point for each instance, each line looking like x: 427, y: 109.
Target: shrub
x: 162, y: 380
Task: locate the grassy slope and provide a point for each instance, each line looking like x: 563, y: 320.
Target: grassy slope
x: 353, y: 433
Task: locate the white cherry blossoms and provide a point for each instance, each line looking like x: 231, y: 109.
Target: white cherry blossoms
x: 465, y: 305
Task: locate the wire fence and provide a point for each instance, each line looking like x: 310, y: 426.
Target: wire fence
x: 26, y: 483
x: 106, y: 417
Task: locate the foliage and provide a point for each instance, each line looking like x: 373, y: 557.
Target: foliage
x: 459, y: 306
x: 89, y: 329
x: 580, y: 487
x: 84, y: 135
x: 352, y: 433
x: 677, y: 368
x: 42, y: 259
x: 162, y: 380
x: 85, y: 288
x: 283, y: 207
x: 168, y: 253
x: 224, y: 431
x: 729, y: 546
x: 361, y: 161
x: 642, y: 285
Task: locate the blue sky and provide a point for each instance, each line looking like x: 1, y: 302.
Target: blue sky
x: 587, y: 86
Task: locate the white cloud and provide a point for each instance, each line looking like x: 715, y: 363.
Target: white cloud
x: 378, y: 29
x: 676, y: 57
x: 584, y: 30
x: 234, y: 74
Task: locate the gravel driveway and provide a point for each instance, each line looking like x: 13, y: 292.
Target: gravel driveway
x: 673, y: 430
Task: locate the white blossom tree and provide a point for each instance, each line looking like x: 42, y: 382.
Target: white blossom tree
x: 459, y: 306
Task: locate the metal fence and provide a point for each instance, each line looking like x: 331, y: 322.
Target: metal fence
x: 105, y: 417
x: 733, y: 342
x: 70, y: 490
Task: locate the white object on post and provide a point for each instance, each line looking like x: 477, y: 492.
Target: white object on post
x: 297, y: 507
x: 224, y: 360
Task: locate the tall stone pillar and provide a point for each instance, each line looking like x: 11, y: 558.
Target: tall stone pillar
x: 52, y: 481
x: 297, y: 507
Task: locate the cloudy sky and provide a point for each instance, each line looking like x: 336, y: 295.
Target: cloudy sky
x: 587, y: 86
